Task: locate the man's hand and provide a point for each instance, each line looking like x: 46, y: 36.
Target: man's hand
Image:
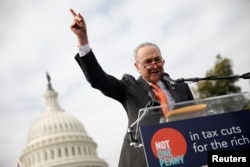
x: 79, y: 28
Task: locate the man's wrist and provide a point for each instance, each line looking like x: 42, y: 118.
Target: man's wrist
x: 83, y: 50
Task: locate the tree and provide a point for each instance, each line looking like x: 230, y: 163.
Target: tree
x: 210, y: 88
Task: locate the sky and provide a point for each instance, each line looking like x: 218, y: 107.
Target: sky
x: 35, y: 37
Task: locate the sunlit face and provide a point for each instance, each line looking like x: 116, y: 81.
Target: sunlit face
x: 149, y: 63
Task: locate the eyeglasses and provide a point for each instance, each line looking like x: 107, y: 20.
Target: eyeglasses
x: 149, y: 63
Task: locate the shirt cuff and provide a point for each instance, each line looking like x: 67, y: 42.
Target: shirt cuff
x: 84, y: 50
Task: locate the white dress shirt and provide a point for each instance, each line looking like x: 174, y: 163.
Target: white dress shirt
x: 83, y: 50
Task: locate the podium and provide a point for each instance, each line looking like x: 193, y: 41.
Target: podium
x: 193, y: 129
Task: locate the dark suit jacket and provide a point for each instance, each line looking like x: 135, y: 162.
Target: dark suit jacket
x: 132, y: 94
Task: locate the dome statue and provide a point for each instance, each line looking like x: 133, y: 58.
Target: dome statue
x: 58, y: 139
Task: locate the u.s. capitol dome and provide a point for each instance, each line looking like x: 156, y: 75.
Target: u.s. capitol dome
x: 58, y: 139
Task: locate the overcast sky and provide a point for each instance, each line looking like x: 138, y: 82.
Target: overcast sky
x: 35, y: 37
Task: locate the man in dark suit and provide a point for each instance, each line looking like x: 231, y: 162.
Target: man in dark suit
x: 132, y: 93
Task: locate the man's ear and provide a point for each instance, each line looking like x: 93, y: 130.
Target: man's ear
x: 137, y: 67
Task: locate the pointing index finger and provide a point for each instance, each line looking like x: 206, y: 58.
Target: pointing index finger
x: 73, y: 12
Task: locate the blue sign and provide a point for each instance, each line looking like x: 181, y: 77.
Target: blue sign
x: 187, y: 142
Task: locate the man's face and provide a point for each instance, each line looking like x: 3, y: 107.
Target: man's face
x: 149, y: 63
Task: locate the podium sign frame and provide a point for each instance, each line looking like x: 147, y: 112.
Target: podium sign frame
x: 186, y: 142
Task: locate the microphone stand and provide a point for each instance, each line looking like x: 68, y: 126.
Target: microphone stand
x: 134, y: 139
x: 196, y: 79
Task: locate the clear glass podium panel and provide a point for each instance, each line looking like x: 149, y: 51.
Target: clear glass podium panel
x: 209, y: 106
x: 195, y: 108
x: 190, y: 109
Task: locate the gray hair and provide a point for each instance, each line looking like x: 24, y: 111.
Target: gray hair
x: 142, y: 45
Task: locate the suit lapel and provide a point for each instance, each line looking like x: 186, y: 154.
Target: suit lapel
x: 173, y: 90
x: 146, y: 87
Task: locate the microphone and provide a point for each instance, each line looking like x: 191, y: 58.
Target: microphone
x: 152, y: 99
x: 165, y: 77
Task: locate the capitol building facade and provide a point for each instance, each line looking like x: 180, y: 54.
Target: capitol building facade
x: 58, y: 139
